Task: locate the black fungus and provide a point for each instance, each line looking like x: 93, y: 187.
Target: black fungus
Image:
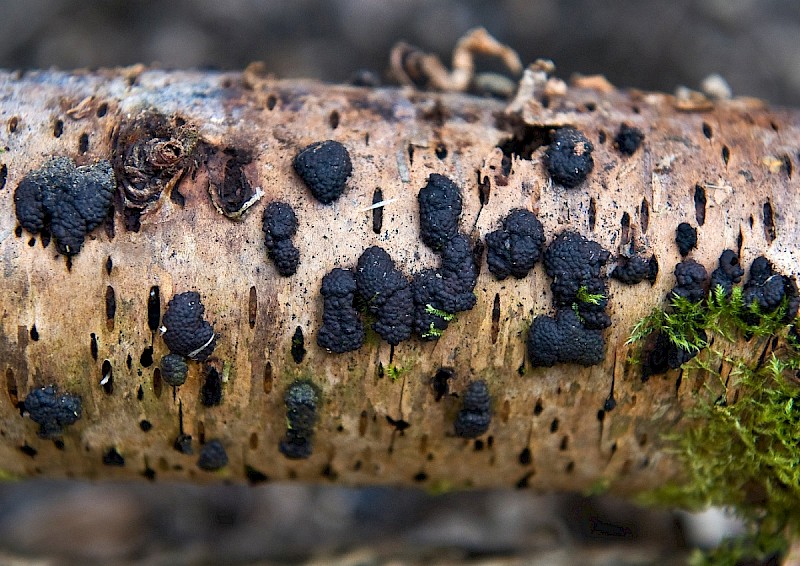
x: 628, y: 139
x: 66, y: 200
x: 516, y: 248
x: 301, y: 400
x: 563, y: 339
x: 767, y: 289
x: 476, y: 412
x: 183, y: 444
x: 727, y: 274
x: 386, y: 293
x: 324, y: 167
x: 212, y: 456
x: 279, y: 226
x: 439, y: 210
x: 569, y: 157
x: 691, y: 281
x: 51, y: 411
x: 635, y: 269
x: 686, y: 238
x: 342, y: 329
x: 662, y: 355
x: 186, y: 332
x: 174, y: 369
x: 439, y: 294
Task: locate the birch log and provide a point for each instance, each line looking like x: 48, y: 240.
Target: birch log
x: 723, y: 165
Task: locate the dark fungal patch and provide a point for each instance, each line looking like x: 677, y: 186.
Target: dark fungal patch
x: 441, y: 151
x: 377, y: 212
x: 186, y: 332
x: 150, y: 153
x: 686, y: 238
x: 279, y: 226
x: 341, y: 330
x: 68, y: 201
x: 399, y: 425
x: 476, y: 412
x: 333, y: 120
x: 386, y: 293
x: 28, y: 450
x: 109, y: 265
x: 145, y: 425
x: 298, y: 345
x: 563, y: 339
x: 52, y: 411
x: 183, y: 444
x: 634, y: 269
x: 707, y: 132
x: 174, y: 370
x: 569, y: 157
x: 726, y: 154
x: 154, y: 308
x: 211, y: 391
x: 58, y: 128
x: 574, y: 264
x: 515, y: 249
x: 301, y: 399
x: 439, y: 294
x: 113, y: 458
x: 324, y: 167
x: 768, y: 289
x: 728, y: 274
x: 213, y: 456
x: 93, y: 345
x: 691, y: 281
x: 34, y: 333
x: 254, y: 476
x: 700, y: 204
x: 525, y: 458
x: 769, y: 221
x: 628, y: 139
x: 439, y: 210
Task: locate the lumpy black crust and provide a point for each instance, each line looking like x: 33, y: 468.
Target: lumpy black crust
x: 686, y: 238
x: 573, y: 262
x: 634, y: 269
x: 516, y: 248
x: 569, y: 157
x: 386, y: 293
x: 767, y: 288
x: 448, y: 289
x: 628, y: 139
x: 729, y: 272
x: 324, y: 167
x: 51, y: 411
x: 301, y: 401
x: 72, y: 201
x: 279, y: 226
x: 212, y: 456
x: 341, y: 330
x: 563, y: 339
x: 187, y: 333
x: 439, y: 210
x: 691, y: 281
x: 174, y: 369
x: 476, y: 412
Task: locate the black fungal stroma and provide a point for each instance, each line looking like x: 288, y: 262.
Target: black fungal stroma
x: 476, y: 413
x: 301, y: 400
x: 71, y: 201
x: 324, y: 167
x: 279, y: 226
x: 186, y: 332
x: 569, y: 157
x: 51, y: 411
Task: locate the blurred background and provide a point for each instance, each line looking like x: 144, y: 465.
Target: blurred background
x: 656, y: 44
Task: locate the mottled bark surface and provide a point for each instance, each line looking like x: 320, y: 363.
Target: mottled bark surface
x: 549, y: 430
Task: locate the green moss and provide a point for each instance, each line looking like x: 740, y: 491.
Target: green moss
x: 740, y: 441
x: 6, y: 476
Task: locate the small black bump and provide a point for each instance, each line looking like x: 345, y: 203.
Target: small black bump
x: 700, y: 204
x: 686, y: 238
x: 145, y: 425
x: 707, y: 131
x: 377, y: 212
x: 420, y: 477
x: 29, y: 451
x: 83, y: 143
x: 324, y: 167
x: 34, y: 333
x: 153, y: 308
x: 441, y: 151
x: 109, y: 265
x: 439, y: 382
x: 298, y: 345
x: 769, y: 221
x: 254, y: 476
x: 183, y: 444
x: 102, y: 110
x: 111, y: 303
x: 93, y: 345
x: 211, y: 392
x: 58, y: 128
x: 525, y: 457
x: 212, y: 456
x: 554, y: 426
x: 537, y: 409
x: 146, y: 359
x: 726, y: 154
x: 628, y: 139
x: 107, y: 377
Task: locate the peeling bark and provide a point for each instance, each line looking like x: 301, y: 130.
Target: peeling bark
x: 385, y: 415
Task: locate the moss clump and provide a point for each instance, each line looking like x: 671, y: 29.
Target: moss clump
x: 740, y: 443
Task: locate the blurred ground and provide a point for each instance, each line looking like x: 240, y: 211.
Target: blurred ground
x: 652, y: 45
